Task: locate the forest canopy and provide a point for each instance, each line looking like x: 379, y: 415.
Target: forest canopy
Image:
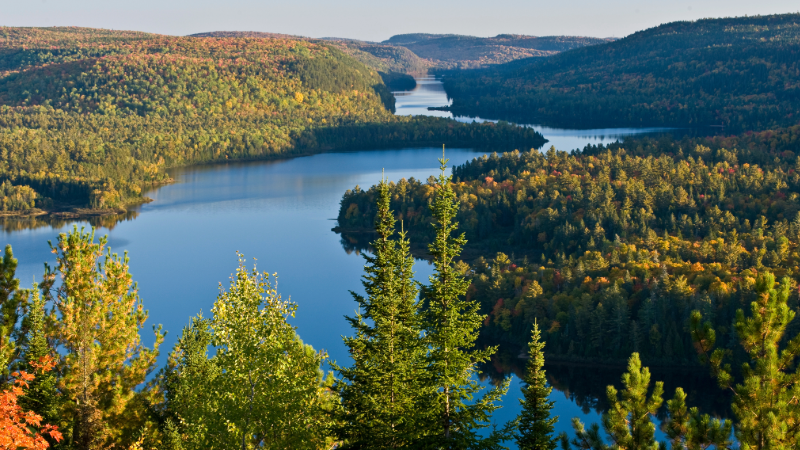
x: 738, y: 73
x: 92, y: 117
x: 611, y: 248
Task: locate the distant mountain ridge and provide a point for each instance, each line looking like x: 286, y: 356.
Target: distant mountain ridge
x: 381, y: 57
x: 460, y: 51
x: 418, y: 52
x: 246, y: 34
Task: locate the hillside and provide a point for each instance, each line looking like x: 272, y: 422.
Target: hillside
x: 92, y: 117
x: 456, y: 51
x: 741, y: 73
x: 393, y: 63
x: 381, y: 57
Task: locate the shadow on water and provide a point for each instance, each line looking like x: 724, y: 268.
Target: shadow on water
x: 585, y: 384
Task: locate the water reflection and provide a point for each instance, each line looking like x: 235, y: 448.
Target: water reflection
x: 430, y: 93
x: 579, y: 390
x: 10, y: 224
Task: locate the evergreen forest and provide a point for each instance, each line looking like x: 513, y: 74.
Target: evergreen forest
x: 737, y: 73
x: 611, y: 249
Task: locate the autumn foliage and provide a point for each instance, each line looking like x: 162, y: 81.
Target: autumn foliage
x: 24, y: 429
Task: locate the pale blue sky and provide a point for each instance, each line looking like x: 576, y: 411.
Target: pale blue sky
x: 376, y: 20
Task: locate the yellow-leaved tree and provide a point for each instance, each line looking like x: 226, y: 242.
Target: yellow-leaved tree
x: 95, y: 325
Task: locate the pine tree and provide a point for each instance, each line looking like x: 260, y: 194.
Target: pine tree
x: 765, y: 401
x: 381, y: 392
x: 688, y: 429
x: 451, y: 324
x: 96, y: 323
x: 627, y: 422
x: 40, y: 394
x: 535, y: 429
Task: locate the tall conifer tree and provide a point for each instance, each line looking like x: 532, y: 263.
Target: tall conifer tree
x: 381, y: 392
x: 628, y: 421
x: 12, y: 302
x: 535, y: 428
x: 40, y: 394
x: 451, y: 324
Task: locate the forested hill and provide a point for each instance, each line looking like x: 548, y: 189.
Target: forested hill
x: 381, y: 57
x: 456, y: 51
x: 611, y: 249
x: 741, y: 73
x: 91, y: 117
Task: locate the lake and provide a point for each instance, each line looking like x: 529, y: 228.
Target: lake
x: 183, y: 244
x: 430, y: 92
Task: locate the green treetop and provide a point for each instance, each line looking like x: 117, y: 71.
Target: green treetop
x: 765, y: 401
x: 535, y: 428
x: 261, y: 389
x: 451, y: 324
x: 628, y: 419
x: 41, y: 394
x: 12, y: 302
x: 381, y: 392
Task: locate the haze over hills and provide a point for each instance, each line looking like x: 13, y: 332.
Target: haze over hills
x: 740, y: 73
x: 456, y: 51
x: 247, y: 34
x: 418, y: 52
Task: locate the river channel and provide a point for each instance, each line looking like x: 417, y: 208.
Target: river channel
x: 183, y: 244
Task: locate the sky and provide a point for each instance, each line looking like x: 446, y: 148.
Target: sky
x: 378, y: 20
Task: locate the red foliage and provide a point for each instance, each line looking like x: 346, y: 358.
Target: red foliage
x: 23, y: 429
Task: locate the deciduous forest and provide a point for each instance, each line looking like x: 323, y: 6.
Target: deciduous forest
x: 90, y: 118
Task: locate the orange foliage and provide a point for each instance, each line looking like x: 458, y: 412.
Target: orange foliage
x: 23, y: 429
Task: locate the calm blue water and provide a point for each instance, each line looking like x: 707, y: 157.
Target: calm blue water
x: 430, y: 92
x: 183, y: 244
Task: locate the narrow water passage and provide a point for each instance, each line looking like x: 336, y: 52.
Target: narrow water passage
x: 430, y: 92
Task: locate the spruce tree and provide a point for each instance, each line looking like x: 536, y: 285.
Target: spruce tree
x: 40, y: 394
x: 381, y: 392
x: 452, y: 323
x: 12, y: 302
x: 535, y: 427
